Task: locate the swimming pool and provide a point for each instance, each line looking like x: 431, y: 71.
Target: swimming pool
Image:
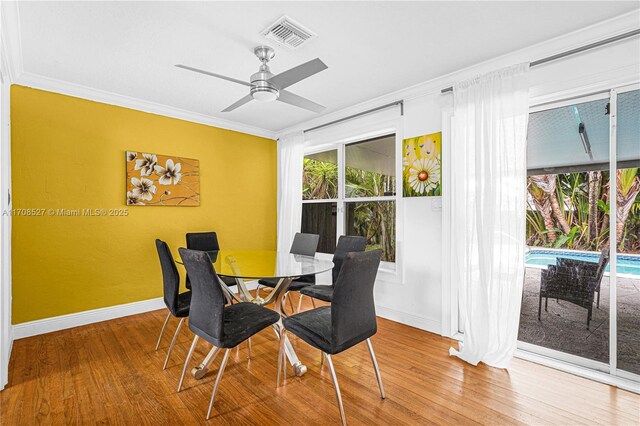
x: 627, y: 264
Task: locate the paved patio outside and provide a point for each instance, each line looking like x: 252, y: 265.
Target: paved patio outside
x: 564, y: 326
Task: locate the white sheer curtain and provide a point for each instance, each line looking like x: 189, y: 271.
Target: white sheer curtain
x: 488, y: 188
x: 290, y: 157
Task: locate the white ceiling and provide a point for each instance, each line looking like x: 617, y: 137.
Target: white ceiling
x: 371, y: 48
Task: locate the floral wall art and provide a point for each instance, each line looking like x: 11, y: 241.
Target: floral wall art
x: 161, y: 180
x: 421, y: 161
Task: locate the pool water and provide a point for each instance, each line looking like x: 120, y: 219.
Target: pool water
x: 627, y: 264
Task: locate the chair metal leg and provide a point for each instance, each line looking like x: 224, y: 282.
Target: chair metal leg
x: 258, y: 291
x: 300, y: 301
x: 313, y: 302
x: 173, y: 342
x: 337, y: 387
x: 215, y: 386
x: 162, y: 330
x: 186, y: 361
x: 546, y: 304
x: 249, y: 348
x: 375, y: 366
x: 539, y: 307
x: 282, y: 360
x: 598, y: 303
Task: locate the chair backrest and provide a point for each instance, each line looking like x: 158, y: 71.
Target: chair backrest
x: 170, y: 276
x: 353, y: 312
x: 346, y: 244
x: 602, y: 263
x: 207, y: 299
x: 305, y: 244
x: 205, y: 241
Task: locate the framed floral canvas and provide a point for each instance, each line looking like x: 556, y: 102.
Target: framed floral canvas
x: 421, y: 171
x: 162, y: 180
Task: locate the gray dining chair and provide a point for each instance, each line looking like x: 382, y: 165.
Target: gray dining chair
x: 349, y: 320
x: 305, y: 245
x: 206, y: 241
x: 223, y: 326
x: 177, y: 303
x: 346, y: 244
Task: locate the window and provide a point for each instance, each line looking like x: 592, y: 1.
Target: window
x: 320, y: 176
x: 319, y: 188
x: 351, y: 190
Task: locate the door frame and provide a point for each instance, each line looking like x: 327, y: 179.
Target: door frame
x: 6, y: 335
x: 602, y: 372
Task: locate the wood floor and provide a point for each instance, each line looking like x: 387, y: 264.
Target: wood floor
x: 108, y: 373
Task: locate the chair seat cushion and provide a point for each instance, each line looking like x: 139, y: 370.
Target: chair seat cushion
x: 184, y: 301
x: 314, y: 327
x: 321, y: 292
x: 240, y: 321
x: 294, y: 286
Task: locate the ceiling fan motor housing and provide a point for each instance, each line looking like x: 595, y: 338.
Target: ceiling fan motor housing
x: 261, y: 89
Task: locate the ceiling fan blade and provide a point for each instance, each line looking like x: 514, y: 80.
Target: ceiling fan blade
x: 299, y: 101
x: 295, y: 74
x: 213, y: 75
x: 237, y: 104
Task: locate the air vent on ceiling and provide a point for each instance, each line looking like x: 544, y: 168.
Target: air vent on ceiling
x: 287, y: 32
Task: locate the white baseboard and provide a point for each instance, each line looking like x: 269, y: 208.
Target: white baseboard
x: 409, y: 319
x: 62, y: 322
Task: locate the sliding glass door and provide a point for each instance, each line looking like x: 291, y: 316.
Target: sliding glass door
x: 627, y: 231
x: 581, y: 301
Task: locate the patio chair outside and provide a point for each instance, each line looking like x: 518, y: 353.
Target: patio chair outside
x: 574, y: 281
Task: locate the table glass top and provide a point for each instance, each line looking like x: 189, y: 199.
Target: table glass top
x: 256, y: 264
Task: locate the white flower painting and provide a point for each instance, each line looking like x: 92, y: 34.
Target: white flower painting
x: 160, y: 180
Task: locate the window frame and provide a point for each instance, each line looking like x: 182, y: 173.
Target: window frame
x: 388, y: 271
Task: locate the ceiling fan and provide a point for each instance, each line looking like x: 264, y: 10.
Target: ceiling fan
x: 268, y: 87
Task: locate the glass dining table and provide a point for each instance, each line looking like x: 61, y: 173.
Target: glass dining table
x: 244, y: 265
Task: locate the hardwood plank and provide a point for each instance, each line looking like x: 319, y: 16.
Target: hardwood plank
x: 109, y: 373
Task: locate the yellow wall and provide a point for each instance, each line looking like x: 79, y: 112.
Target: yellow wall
x: 70, y: 153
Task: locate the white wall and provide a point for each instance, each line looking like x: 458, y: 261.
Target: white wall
x: 416, y: 300
x: 420, y: 299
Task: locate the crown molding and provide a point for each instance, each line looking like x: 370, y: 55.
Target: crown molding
x: 12, y: 52
x: 11, y: 41
x: 587, y: 35
x: 76, y: 90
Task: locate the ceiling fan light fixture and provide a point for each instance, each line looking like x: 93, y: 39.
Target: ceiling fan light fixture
x: 266, y: 87
x: 264, y: 94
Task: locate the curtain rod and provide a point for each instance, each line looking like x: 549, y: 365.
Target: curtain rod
x: 369, y: 111
x: 574, y: 51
